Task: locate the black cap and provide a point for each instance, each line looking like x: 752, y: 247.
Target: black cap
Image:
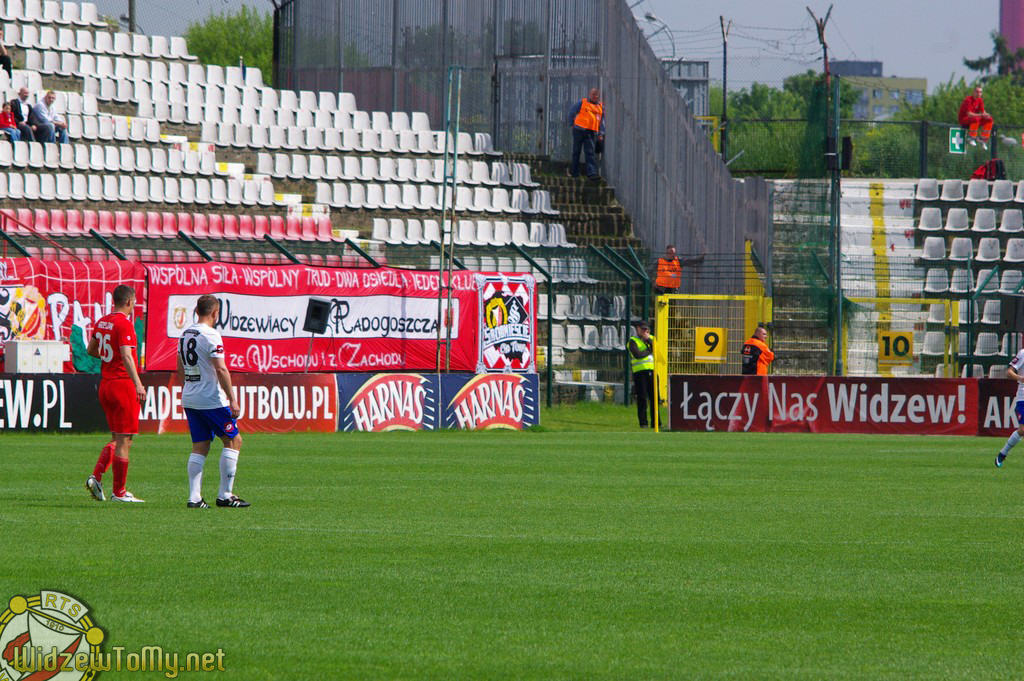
x: 643, y: 325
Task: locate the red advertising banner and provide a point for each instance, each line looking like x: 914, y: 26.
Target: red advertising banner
x: 381, y: 320
x: 920, y: 406
x: 60, y: 300
x: 997, y: 398
x: 269, y: 404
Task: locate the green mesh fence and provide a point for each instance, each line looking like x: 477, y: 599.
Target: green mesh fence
x: 794, y: 148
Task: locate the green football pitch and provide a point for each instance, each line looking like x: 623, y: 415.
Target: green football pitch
x: 584, y: 550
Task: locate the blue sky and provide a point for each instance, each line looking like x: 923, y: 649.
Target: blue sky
x: 913, y: 38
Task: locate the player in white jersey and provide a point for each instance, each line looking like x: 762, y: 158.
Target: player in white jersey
x: 1014, y: 371
x: 210, y: 404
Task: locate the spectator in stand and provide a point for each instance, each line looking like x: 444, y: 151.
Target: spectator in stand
x: 22, y: 111
x: 670, y: 271
x: 5, y: 59
x: 49, y: 125
x: 973, y: 115
x: 8, y: 124
x: 587, y: 130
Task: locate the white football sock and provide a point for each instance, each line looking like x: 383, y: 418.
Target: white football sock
x: 1013, y: 440
x: 228, y: 466
x: 195, y: 476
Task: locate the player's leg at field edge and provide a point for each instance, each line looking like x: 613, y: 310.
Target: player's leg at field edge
x: 1014, y: 438
x: 229, y: 464
x: 196, y: 462
x: 122, y: 447
x: 103, y: 462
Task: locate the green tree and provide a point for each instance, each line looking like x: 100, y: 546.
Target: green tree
x: 1005, y: 62
x: 223, y: 38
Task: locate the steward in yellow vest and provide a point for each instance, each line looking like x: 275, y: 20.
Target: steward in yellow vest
x: 641, y: 356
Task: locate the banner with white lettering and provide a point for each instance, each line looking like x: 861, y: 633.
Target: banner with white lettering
x: 507, y: 325
x: 381, y: 319
x: 923, y: 406
x: 61, y: 299
x: 490, y: 401
x: 409, y: 401
x: 997, y: 400
x: 269, y: 404
x: 383, y: 402
x: 65, y: 403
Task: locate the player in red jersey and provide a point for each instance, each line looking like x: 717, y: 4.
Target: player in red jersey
x: 121, y: 392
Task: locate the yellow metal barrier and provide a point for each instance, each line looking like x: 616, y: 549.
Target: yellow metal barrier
x: 725, y: 323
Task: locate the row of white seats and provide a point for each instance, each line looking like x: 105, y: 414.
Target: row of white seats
x: 938, y: 281
x: 387, y: 169
x: 104, y: 127
x: 178, y: 103
x: 51, y: 12
x: 581, y: 307
x: 962, y: 249
x: 997, y: 370
x: 957, y: 220
x: 389, y: 196
x: 100, y: 66
x: 138, y: 189
x: 113, y: 159
x: 472, y: 233
x: 563, y: 270
x: 990, y: 312
x: 84, y: 41
x: 291, y: 138
x: 188, y: 86
x: 587, y: 338
x: 978, y: 191
x: 20, y: 78
x: 987, y: 344
x: 64, y: 102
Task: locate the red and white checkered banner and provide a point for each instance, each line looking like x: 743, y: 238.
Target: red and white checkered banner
x: 507, y: 323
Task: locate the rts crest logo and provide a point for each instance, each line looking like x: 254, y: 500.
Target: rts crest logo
x: 180, y: 317
x: 49, y: 636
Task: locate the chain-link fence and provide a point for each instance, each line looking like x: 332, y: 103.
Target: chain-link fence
x: 794, y: 148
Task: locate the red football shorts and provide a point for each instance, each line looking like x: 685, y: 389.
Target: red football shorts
x: 121, y: 406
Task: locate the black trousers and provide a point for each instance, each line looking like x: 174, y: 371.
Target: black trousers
x: 583, y: 141
x: 643, y: 388
x: 26, y: 133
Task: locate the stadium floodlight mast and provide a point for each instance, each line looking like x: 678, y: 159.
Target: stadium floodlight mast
x: 652, y: 19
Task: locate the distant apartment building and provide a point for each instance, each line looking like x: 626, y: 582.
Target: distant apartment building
x: 880, y: 97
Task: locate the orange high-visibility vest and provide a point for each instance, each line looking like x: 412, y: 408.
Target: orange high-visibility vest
x: 755, y: 357
x: 669, y: 273
x: 589, y: 117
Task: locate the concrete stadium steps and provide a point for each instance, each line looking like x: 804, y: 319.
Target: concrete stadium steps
x: 800, y: 334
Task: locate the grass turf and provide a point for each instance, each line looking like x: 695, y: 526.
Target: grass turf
x: 564, y: 553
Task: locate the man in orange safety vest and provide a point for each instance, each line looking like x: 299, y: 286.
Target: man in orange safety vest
x: 587, y: 129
